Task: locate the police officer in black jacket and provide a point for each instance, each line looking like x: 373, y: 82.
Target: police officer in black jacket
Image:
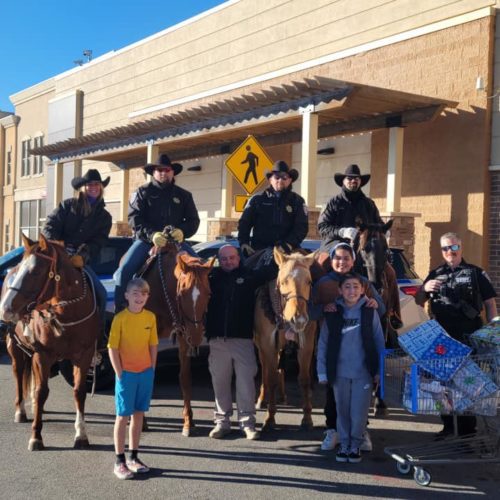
x: 457, y: 292
x: 229, y: 329
x: 338, y: 220
x: 154, y: 206
x: 278, y: 216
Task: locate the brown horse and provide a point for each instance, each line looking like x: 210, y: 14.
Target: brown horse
x: 180, y: 292
x: 294, y: 287
x: 53, y: 305
x: 373, y: 250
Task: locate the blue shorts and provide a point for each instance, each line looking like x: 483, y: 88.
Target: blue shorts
x: 133, y: 392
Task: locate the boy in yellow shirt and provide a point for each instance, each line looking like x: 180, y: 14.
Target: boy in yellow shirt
x: 133, y: 348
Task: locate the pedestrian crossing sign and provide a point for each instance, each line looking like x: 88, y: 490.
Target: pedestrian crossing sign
x: 249, y: 164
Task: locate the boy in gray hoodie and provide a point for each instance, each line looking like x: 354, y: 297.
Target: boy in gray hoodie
x: 350, y: 343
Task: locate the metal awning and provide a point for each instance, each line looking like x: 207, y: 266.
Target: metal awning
x: 272, y: 114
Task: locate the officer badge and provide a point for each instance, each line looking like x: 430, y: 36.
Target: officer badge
x: 176, y: 200
x: 239, y: 281
x: 289, y: 209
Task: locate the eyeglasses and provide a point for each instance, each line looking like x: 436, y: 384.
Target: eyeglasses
x: 281, y: 176
x: 453, y: 248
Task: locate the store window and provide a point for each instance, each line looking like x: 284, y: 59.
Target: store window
x: 32, y: 217
x: 25, y: 158
x: 8, y: 169
x: 38, y: 159
x: 6, y: 239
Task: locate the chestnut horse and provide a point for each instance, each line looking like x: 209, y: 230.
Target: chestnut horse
x: 54, y: 308
x: 179, y: 297
x: 294, y: 287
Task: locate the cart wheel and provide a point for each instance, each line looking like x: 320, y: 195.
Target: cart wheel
x: 421, y: 476
x: 403, y: 468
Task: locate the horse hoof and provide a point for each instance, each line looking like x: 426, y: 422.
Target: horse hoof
x: 186, y: 431
x: 268, y: 427
x: 36, y: 445
x: 81, y: 444
x: 20, y: 418
x: 306, y: 426
x: 381, y: 411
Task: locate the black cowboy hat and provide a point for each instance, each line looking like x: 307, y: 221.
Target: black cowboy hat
x: 351, y: 171
x: 282, y: 166
x: 91, y: 175
x: 163, y: 161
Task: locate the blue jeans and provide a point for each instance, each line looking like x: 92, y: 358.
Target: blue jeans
x: 100, y: 294
x: 132, y: 261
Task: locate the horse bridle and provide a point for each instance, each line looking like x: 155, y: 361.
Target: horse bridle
x: 53, y: 274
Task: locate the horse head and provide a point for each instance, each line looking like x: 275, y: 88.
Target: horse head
x: 294, y: 286
x: 36, y: 280
x: 193, y: 294
x: 373, y: 249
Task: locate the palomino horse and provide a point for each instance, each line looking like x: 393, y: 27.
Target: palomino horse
x: 54, y: 306
x: 373, y: 250
x: 179, y: 297
x: 294, y: 287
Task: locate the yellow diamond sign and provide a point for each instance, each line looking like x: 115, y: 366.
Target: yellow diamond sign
x: 249, y: 164
x: 240, y: 202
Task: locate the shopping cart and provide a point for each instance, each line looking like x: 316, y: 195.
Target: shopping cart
x: 453, y: 386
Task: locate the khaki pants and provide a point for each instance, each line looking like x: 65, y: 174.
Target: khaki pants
x: 228, y: 356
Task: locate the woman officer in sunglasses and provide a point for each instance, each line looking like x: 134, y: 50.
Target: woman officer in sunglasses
x: 457, y: 292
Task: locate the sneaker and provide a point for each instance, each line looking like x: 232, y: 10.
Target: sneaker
x: 136, y: 466
x: 342, y: 454
x: 367, y: 444
x: 122, y: 471
x: 354, y: 456
x: 331, y: 440
x: 219, y: 432
x: 251, y: 433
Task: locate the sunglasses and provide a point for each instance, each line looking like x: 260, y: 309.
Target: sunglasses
x: 283, y: 176
x: 453, y: 248
x: 164, y: 169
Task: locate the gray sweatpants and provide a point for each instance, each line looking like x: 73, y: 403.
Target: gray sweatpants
x: 225, y: 356
x: 353, y: 398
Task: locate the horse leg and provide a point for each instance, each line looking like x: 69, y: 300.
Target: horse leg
x: 262, y: 394
x: 80, y: 371
x: 281, y: 387
x: 41, y: 369
x: 20, y: 364
x: 304, y: 356
x: 186, y: 387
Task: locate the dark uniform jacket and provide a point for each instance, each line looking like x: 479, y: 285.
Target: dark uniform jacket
x: 458, y: 304
x: 154, y: 206
x: 67, y: 223
x: 342, y: 210
x: 232, y: 302
x: 275, y: 219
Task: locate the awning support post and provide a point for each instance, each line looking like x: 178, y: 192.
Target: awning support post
x: 309, y: 155
x: 395, y: 169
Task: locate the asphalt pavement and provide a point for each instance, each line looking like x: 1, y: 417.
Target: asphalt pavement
x: 286, y: 463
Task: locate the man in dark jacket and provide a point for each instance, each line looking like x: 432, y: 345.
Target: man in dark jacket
x: 278, y: 216
x: 229, y: 331
x: 152, y: 208
x: 458, y: 292
x: 338, y: 219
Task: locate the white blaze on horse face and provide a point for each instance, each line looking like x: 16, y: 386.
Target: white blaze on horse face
x: 195, y: 294
x: 26, y: 266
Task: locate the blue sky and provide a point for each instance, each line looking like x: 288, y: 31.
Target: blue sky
x: 43, y: 39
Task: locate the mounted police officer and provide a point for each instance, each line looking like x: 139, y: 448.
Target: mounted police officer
x: 338, y: 220
x: 458, y: 292
x: 278, y: 216
x: 83, y: 224
x: 154, y: 206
